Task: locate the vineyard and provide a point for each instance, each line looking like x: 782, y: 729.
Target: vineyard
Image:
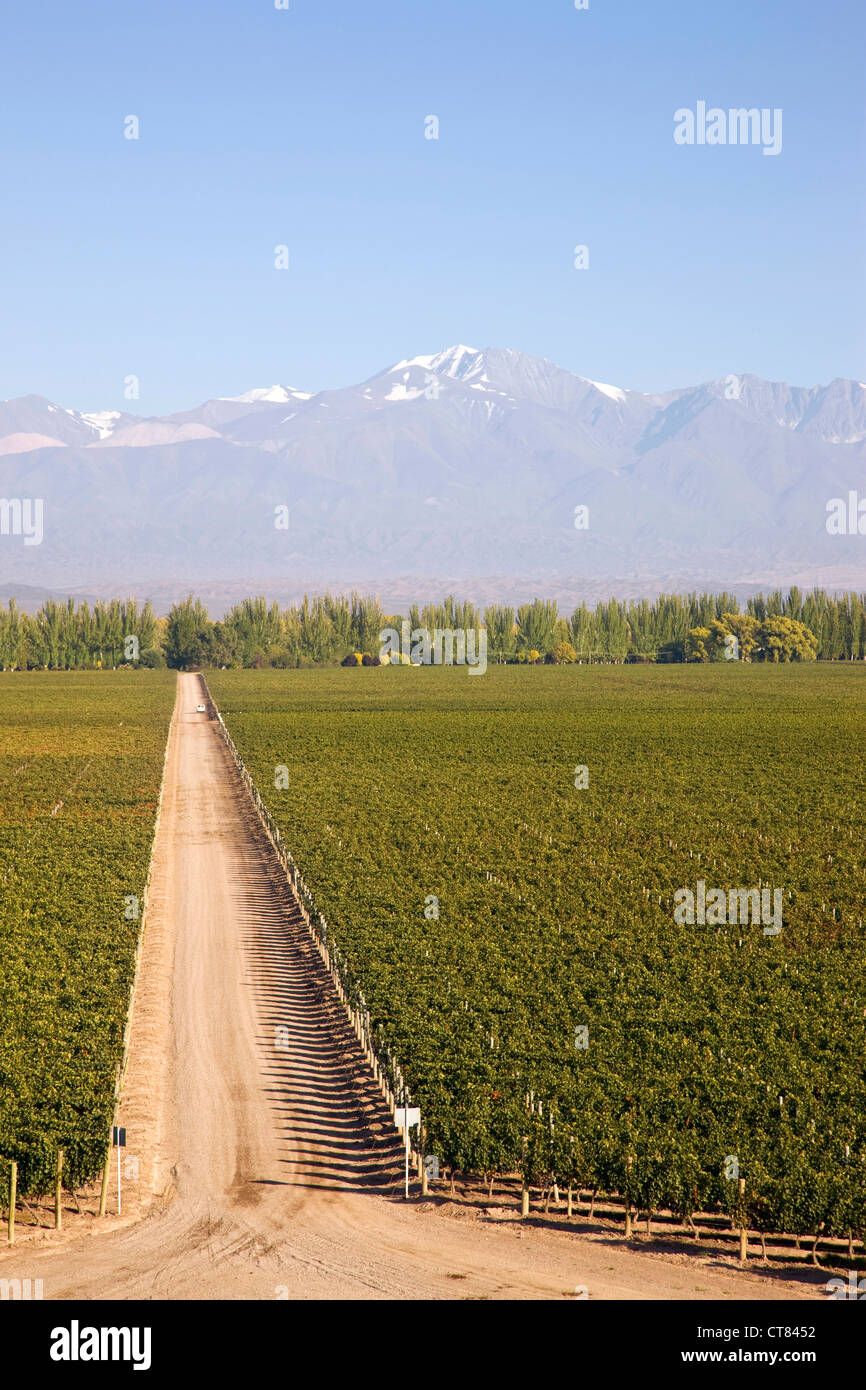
x: 498, y: 861
x: 81, y: 760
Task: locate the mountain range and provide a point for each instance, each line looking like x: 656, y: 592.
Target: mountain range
x: 464, y: 471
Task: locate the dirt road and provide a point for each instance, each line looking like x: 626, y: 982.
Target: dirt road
x: 266, y: 1160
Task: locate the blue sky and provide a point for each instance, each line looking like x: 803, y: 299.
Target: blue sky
x: 305, y: 127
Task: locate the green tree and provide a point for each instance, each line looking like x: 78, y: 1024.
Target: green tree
x: 699, y: 644
x: 783, y: 639
x: 501, y: 631
x: 745, y: 628
x: 536, y: 623
x: 188, y: 635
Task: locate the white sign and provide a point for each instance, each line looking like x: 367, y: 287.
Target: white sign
x: 406, y: 1118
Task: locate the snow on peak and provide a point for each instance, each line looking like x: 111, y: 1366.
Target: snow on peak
x: 459, y: 362
x: 103, y: 421
x: 616, y: 393
x: 275, y: 395
x: 400, y: 392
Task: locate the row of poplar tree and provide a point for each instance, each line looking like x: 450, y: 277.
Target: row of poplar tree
x: 328, y: 628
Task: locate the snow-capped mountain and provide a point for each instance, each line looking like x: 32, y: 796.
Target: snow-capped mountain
x: 271, y: 395
x: 464, y: 466
x: 33, y: 418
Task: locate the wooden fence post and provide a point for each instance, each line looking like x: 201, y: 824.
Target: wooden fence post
x: 57, y: 1216
x: 103, y: 1196
x: 524, y: 1193
x: 744, y: 1236
x: 628, y: 1200
x: 13, y: 1193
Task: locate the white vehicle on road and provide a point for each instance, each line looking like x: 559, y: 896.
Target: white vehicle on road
x: 200, y: 709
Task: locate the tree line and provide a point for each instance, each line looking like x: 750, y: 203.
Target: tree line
x: 69, y: 636
x: 329, y: 629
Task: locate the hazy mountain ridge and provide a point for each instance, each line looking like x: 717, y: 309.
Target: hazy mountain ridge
x: 464, y: 464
